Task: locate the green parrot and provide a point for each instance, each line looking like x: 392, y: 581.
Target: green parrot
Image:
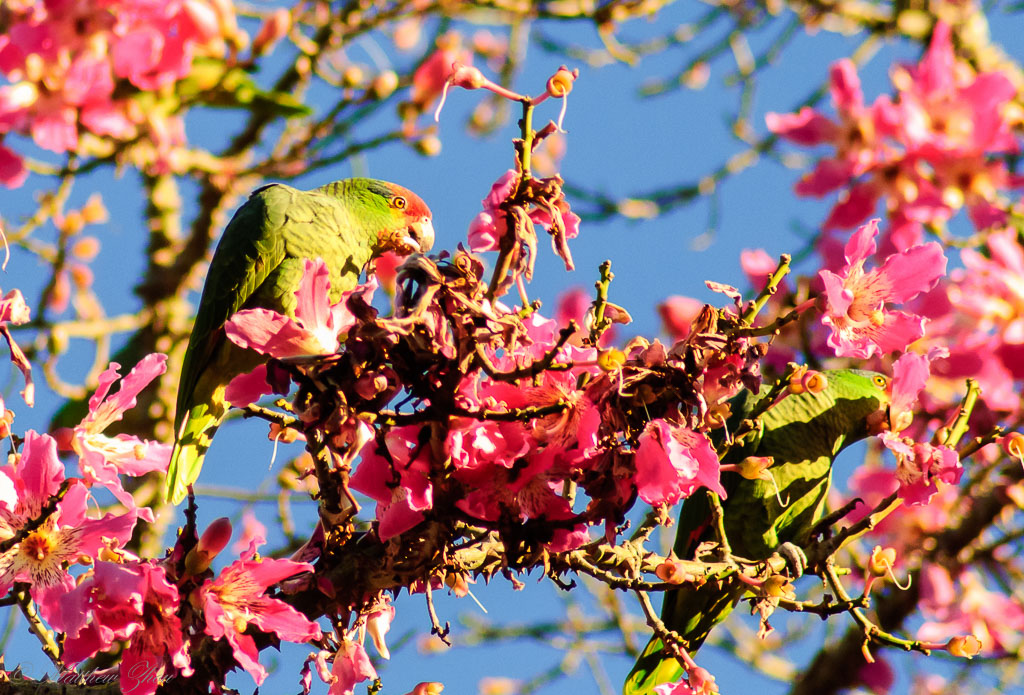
x: 258, y: 263
x: 803, y: 434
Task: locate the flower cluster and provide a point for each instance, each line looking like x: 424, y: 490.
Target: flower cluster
x: 66, y: 61
x: 927, y: 152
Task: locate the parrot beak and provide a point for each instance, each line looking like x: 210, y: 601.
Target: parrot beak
x: 421, y: 235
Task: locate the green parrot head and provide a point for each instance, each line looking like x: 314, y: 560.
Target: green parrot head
x: 399, y: 219
x: 863, y: 399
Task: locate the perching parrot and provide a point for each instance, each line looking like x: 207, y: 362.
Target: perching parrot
x: 258, y: 263
x: 803, y: 434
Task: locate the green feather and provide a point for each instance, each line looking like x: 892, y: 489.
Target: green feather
x: 803, y: 434
x: 259, y: 263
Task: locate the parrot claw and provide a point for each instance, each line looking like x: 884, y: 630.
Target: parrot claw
x: 796, y: 559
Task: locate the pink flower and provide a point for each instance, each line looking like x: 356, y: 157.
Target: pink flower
x: 927, y: 151
x: 487, y: 228
x: 13, y: 309
x: 42, y: 557
x: 429, y: 79
x: 378, y: 623
x: 529, y: 492
x: 484, y: 231
x: 351, y: 665
x: 677, y: 314
x: 920, y: 466
x: 861, y: 324
x: 253, y: 533
x: 910, y: 375
x: 102, y: 459
x: 313, y: 331
x: 991, y: 616
x: 949, y: 113
x: 672, y: 462
x: 878, y: 677
x: 130, y: 602
x: 236, y: 599
x: 12, y: 169
x: 405, y: 459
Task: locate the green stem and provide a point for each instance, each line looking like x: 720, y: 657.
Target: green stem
x: 600, y: 324
x: 960, y: 424
x: 768, y: 292
x: 526, y: 156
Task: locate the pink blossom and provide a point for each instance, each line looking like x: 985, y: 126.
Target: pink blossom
x: 672, y: 462
x: 994, y: 618
x: 130, y: 602
x: 42, y: 557
x: 378, y: 623
x: 12, y: 169
x: 13, y: 309
x: 487, y: 228
x: 236, y: 599
x: 66, y: 57
x: 945, y: 113
x: 927, y: 151
x: 878, y: 677
x: 429, y: 79
x: 910, y: 375
x: 529, y: 492
x: 920, y: 466
x: 313, y: 331
x: 254, y: 533
x: 351, y: 665
x: 102, y: 458
x: 402, y: 457
x: 475, y: 445
x: 677, y: 314
x: 856, y: 312
x: 484, y: 231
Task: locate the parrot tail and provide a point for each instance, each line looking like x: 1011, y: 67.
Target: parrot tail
x: 190, y: 447
x: 654, y: 667
x: 691, y: 611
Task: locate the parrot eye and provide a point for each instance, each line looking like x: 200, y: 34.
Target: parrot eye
x: 398, y: 202
x: 880, y: 381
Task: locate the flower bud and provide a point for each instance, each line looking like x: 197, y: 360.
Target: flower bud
x: 457, y: 583
x: 94, y: 210
x: 427, y: 688
x: 275, y: 28
x: 428, y: 146
x: 284, y: 435
x: 466, y: 76
x: 1013, y: 444
x: 753, y: 467
x: 86, y: 248
x: 213, y: 540
x: 560, y: 84
x: 384, y: 84
x: 814, y: 382
x: 611, y: 359
x: 352, y: 76
x: 672, y: 571
x: 778, y: 586
x: 966, y: 646
x: 881, y: 561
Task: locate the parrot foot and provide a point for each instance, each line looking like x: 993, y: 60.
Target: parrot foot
x: 796, y: 559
